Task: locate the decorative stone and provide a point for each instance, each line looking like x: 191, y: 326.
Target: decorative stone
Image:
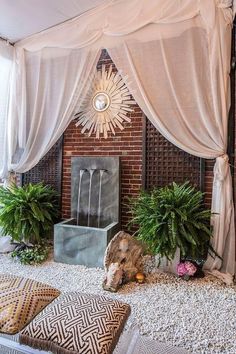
x: 114, y: 277
x: 5, y: 244
x: 149, y: 264
x: 126, y: 253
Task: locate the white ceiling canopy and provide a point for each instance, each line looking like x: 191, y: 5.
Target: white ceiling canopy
x: 22, y: 18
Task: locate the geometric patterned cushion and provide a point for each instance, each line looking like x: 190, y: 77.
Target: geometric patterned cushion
x: 21, y: 300
x: 77, y: 323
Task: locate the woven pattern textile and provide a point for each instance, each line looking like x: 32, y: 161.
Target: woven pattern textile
x: 77, y: 323
x: 21, y: 300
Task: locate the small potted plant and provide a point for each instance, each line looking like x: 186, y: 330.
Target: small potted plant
x: 172, y: 218
x: 27, y: 214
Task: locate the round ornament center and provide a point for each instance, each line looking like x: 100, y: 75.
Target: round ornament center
x: 101, y: 102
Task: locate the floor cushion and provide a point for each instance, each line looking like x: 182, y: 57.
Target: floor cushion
x: 21, y: 300
x: 77, y: 323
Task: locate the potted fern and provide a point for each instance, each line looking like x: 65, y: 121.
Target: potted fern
x: 27, y: 214
x: 172, y: 218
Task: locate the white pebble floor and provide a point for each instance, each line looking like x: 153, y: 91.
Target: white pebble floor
x: 199, y: 315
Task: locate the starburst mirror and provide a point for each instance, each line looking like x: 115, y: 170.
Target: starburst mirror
x: 106, y: 104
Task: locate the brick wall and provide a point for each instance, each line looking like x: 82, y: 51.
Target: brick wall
x: 127, y: 144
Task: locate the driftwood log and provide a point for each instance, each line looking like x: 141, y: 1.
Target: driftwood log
x: 122, y: 260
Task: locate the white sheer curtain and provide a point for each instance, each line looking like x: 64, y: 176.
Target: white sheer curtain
x: 6, y: 63
x: 48, y: 93
x: 182, y: 85
x: 176, y: 55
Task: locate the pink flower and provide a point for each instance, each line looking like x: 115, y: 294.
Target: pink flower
x: 190, y: 267
x: 186, y: 269
x: 181, y: 269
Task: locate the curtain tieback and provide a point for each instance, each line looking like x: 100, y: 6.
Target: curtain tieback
x: 221, y: 167
x: 224, y: 4
x: 207, y: 10
x: 221, y: 171
x: 11, y: 179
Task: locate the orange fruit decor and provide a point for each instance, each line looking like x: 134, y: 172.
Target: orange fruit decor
x: 140, y: 278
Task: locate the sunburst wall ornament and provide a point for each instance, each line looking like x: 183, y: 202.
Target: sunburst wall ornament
x: 106, y: 104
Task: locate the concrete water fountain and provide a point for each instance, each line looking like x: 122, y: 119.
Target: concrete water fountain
x: 95, y: 209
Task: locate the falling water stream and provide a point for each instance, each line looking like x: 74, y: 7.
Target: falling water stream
x: 91, y: 172
x: 81, y: 172
x: 100, y: 195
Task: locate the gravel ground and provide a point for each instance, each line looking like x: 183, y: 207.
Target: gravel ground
x: 199, y: 315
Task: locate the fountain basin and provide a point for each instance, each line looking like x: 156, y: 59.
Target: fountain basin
x: 95, y: 211
x: 75, y: 244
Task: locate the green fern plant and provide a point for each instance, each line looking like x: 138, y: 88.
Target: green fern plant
x: 172, y: 217
x: 27, y: 213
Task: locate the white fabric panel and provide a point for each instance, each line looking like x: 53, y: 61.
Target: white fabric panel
x: 177, y: 57
x: 222, y: 220
x: 22, y: 18
x: 184, y: 91
x: 50, y: 92
x: 6, y: 62
x: 170, y: 80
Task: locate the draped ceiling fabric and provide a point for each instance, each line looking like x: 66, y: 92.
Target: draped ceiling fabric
x: 176, y: 54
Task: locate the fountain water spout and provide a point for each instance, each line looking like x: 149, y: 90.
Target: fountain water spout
x: 91, y: 172
x: 81, y: 172
x: 100, y: 196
